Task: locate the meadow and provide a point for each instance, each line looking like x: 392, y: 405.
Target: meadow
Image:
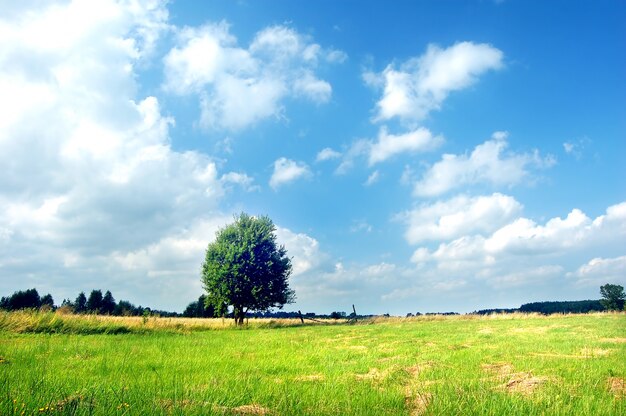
x: 459, y: 365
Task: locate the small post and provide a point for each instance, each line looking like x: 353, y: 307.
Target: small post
x: 300, y: 316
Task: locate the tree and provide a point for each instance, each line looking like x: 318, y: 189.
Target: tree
x: 80, y: 304
x: 245, y: 269
x: 108, y: 304
x: 612, y: 297
x: 22, y: 300
x: 125, y: 308
x: 47, y: 302
x: 94, y: 303
x: 199, y: 309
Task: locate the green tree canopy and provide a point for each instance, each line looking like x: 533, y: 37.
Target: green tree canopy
x: 245, y: 269
x: 612, y: 297
x: 94, y: 303
x: 199, y: 309
x: 108, y: 304
x: 80, y: 304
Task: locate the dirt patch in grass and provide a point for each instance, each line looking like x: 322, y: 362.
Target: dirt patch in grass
x: 617, y: 386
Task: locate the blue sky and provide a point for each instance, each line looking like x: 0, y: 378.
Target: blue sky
x: 415, y: 156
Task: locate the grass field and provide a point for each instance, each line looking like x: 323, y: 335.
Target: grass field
x: 498, y: 365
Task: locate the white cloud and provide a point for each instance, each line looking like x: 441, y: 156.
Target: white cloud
x: 523, y: 241
x: 315, y: 89
x: 486, y: 164
x: 240, y: 86
x: 372, y: 178
x: 286, y: 170
x: 327, y: 154
x: 360, y: 225
x: 421, y: 84
x: 460, y: 215
x: 576, y: 148
x: 599, y: 271
x: 304, y: 251
x: 92, y: 193
x: 241, y: 179
x: 389, y: 145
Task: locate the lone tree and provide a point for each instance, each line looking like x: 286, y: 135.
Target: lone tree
x: 245, y: 269
x: 612, y: 297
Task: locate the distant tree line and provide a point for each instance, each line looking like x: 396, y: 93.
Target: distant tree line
x: 551, y: 307
x: 26, y: 299
x: 96, y: 303
x: 613, y: 298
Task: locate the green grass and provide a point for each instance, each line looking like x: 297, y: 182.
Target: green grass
x: 504, y: 365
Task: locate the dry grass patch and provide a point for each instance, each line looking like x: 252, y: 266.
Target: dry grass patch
x: 417, y: 401
x: 415, y: 370
x: 595, y: 352
x: 500, y: 370
x: 530, y: 330
x: 391, y: 358
x: 614, y: 340
x: 617, y: 386
x: 523, y: 383
x: 372, y: 374
x: 485, y: 331
x: 246, y: 409
x: 250, y: 409
x: 355, y: 347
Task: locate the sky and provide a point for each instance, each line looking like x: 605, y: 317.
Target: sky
x: 423, y: 156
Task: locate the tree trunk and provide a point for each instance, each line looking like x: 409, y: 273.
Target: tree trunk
x: 239, y: 314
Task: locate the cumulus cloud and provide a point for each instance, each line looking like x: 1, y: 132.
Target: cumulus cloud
x: 304, y: 250
x: 599, y: 271
x: 388, y: 145
x: 240, y: 86
x: 486, y: 164
x: 523, y: 241
x: 286, y: 171
x: 92, y: 190
x: 327, y: 154
x: 445, y: 220
x: 421, y: 84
